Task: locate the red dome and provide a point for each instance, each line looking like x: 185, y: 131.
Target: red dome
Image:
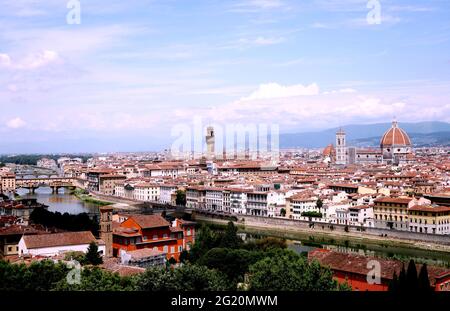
x: 395, y: 136
x: 329, y: 151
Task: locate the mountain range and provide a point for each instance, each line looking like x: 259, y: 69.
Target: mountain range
x: 422, y: 134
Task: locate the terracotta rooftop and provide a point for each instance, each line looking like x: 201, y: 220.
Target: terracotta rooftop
x: 150, y: 221
x: 58, y: 239
x: 358, y: 264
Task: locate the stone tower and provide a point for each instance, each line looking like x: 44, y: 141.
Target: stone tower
x: 341, y: 152
x: 106, y: 229
x: 210, y: 142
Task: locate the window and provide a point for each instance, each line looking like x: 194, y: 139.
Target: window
x: 165, y: 235
x: 155, y: 237
x: 180, y: 248
x: 188, y: 231
x: 165, y: 249
x: 172, y: 249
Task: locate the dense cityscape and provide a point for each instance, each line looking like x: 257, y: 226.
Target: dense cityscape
x: 150, y: 209
x: 245, y: 154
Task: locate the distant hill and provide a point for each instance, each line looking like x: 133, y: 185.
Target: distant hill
x: 421, y: 133
x: 418, y: 140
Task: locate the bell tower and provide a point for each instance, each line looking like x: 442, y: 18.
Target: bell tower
x: 106, y: 230
x: 210, y: 142
x: 341, y: 152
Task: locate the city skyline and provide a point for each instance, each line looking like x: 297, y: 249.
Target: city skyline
x: 131, y: 72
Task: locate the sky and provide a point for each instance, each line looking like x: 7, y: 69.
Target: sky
x: 131, y: 71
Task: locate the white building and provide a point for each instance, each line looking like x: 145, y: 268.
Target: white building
x: 238, y: 201
x: 146, y: 192
x: 361, y: 216
x: 300, y: 203
x: 165, y: 193
x: 214, y: 199
x: 52, y: 244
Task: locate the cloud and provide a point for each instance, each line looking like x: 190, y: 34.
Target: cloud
x: 305, y: 108
x: 253, y: 6
x: 346, y: 90
x: 5, y: 60
x: 260, y: 41
x: 275, y: 90
x: 31, y: 61
x: 15, y: 123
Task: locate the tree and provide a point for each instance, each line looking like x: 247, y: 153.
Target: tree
x: 184, y: 278
x: 283, y: 212
x: 312, y: 214
x: 172, y: 261
x: 199, y: 278
x: 411, y: 277
x: 184, y: 256
x: 205, y: 240
x: 287, y: 271
x: 96, y: 279
x: 234, y: 263
x: 38, y: 276
x: 157, y: 279
x: 424, y: 281
x: 230, y: 239
x: 181, y: 198
x: 92, y: 256
x: 402, y: 280
x: 393, y: 284
x: 319, y: 204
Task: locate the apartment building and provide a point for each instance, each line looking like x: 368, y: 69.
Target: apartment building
x: 429, y: 219
x: 166, y: 193
x: 154, y: 232
x: 214, y: 199
x: 300, y: 203
x: 195, y: 197
x: 146, y: 192
x: 392, y: 212
x: 7, y: 182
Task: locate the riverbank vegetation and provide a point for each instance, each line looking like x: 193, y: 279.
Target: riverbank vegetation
x: 84, y: 196
x: 218, y: 261
x: 66, y: 221
x: 398, y: 250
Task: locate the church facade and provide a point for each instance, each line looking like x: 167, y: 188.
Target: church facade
x: 395, y: 149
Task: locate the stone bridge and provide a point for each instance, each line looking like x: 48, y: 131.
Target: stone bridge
x: 55, y: 183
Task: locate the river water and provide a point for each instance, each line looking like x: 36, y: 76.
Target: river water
x: 63, y: 202
x: 304, y: 244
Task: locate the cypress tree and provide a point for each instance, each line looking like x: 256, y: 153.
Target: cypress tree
x: 402, y: 281
x: 92, y: 256
x: 424, y: 281
x: 411, y: 276
x: 393, y: 285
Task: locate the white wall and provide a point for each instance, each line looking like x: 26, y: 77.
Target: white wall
x: 52, y: 251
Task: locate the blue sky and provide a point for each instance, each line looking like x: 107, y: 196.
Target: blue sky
x: 133, y: 69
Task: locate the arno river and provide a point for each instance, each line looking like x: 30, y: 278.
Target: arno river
x: 64, y: 202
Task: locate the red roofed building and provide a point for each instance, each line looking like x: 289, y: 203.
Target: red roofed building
x: 354, y: 269
x: 153, y: 231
